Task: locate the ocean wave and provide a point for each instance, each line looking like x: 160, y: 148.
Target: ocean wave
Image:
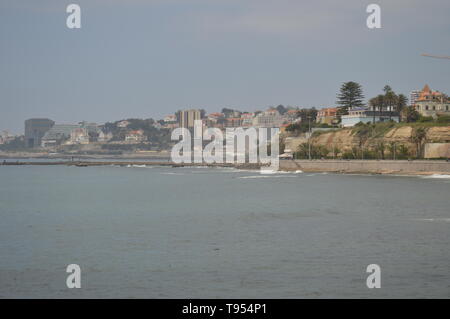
x: 436, y: 176
x: 433, y: 219
x: 255, y: 176
x: 264, y: 176
x: 233, y: 170
x: 275, y: 172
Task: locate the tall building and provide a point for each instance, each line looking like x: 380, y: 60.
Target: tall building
x: 35, y: 129
x: 186, y: 118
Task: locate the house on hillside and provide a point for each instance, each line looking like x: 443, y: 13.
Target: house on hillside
x: 432, y: 103
x: 365, y: 115
x: 135, y: 136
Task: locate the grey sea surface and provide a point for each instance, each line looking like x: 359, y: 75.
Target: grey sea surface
x: 161, y: 232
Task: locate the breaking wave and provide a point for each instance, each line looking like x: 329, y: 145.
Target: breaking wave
x: 437, y: 176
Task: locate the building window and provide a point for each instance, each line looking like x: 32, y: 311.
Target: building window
x: 426, y: 107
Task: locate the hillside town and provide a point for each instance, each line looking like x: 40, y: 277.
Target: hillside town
x: 295, y: 123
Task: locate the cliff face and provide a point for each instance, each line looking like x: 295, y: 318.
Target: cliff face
x: 438, y: 134
x: 435, y: 142
x: 343, y: 139
x: 400, y: 134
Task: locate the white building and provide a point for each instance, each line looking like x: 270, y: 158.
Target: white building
x: 57, y: 134
x: 136, y: 136
x: 364, y: 115
x: 79, y: 136
x: 123, y: 124
x: 270, y: 118
x: 104, y: 137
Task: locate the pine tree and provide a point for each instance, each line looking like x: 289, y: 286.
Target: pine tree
x: 350, y: 96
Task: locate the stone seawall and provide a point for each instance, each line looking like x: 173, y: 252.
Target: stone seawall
x: 368, y: 166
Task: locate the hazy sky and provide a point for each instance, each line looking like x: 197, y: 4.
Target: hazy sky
x: 136, y: 58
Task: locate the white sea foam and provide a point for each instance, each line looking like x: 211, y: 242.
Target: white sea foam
x: 274, y: 172
x: 265, y: 176
x: 436, y: 176
x: 255, y: 176
x: 434, y: 219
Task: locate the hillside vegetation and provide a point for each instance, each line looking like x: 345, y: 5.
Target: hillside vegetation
x: 379, y: 141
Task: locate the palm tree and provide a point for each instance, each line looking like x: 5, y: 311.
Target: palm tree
x: 417, y: 138
x: 402, y: 102
x: 373, y: 103
x: 390, y: 99
x: 387, y: 88
x: 381, y: 103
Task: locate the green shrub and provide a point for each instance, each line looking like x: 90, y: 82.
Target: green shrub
x: 424, y: 119
x: 443, y: 119
x: 317, y: 151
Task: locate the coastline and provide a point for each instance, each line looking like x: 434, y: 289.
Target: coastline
x: 45, y: 155
x: 374, y: 167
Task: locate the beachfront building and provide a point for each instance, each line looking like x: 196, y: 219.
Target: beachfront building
x: 35, y: 129
x: 79, y: 135
x: 104, y: 137
x: 432, y: 103
x: 6, y: 137
x: 365, y: 115
x: 215, y: 119
x: 327, y: 116
x: 169, y: 122
x: 233, y: 122
x: 292, y: 116
x: 413, y: 96
x: 136, y: 136
x: 58, y: 134
x: 247, y: 119
x: 269, y: 118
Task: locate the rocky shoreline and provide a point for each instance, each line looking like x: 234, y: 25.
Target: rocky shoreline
x: 376, y: 167
x: 420, y: 168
